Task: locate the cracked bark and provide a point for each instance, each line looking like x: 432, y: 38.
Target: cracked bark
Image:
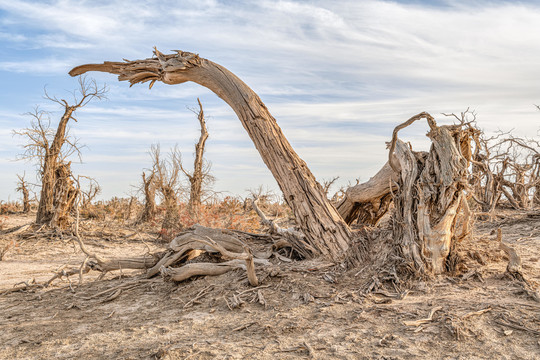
x: 324, y: 229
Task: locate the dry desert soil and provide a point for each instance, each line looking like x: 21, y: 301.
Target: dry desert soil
x: 301, y: 310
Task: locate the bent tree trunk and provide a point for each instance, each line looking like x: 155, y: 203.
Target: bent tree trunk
x: 326, y: 234
x: 369, y: 201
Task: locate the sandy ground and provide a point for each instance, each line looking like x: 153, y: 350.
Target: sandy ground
x: 298, y: 312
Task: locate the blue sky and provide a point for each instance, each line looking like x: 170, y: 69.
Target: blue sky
x: 337, y: 76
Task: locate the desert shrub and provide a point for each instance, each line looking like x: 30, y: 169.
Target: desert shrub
x: 10, y: 207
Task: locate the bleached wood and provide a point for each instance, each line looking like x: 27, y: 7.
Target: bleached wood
x: 324, y: 229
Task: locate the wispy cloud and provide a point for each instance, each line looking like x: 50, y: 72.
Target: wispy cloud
x: 337, y: 75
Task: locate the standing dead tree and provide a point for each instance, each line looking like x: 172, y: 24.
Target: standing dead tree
x: 520, y: 183
x: 326, y: 234
x: 486, y: 174
x: 201, y: 169
x: 500, y: 165
x: 504, y: 165
x: 431, y: 190
x: 22, y: 186
x: 51, y: 148
x: 88, y: 196
x: 149, y: 189
x: 166, y: 174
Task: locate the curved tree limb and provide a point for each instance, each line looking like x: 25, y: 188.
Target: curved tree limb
x: 323, y: 227
x: 391, y: 158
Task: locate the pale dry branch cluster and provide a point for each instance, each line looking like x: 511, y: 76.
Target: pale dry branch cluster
x: 503, y: 167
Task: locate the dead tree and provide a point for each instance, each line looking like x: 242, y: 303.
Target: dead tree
x: 201, y: 169
x: 431, y: 190
x: 501, y: 165
x: 89, y: 195
x: 63, y: 195
x: 326, y: 234
x: 22, y: 186
x: 149, y: 189
x: 167, y: 181
x: 429, y: 186
x: 52, y: 148
x: 520, y: 182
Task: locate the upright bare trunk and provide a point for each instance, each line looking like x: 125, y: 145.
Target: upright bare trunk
x: 326, y: 233
x: 26, y: 200
x: 196, y: 179
x: 64, y: 195
x: 23, y: 187
x: 46, y: 211
x: 149, y: 188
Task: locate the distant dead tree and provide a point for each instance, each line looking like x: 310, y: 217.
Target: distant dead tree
x: 22, y: 186
x: 520, y: 183
x: 503, y: 166
x: 149, y: 189
x: 51, y: 149
x: 166, y: 174
x: 88, y: 196
x: 201, y: 168
x: 327, y: 184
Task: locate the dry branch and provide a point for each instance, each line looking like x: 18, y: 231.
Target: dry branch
x: 369, y: 201
x: 514, y: 261
x: 207, y: 240
x: 291, y: 237
x: 423, y: 321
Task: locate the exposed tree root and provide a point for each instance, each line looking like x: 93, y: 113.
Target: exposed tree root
x: 188, y: 245
x: 514, y: 269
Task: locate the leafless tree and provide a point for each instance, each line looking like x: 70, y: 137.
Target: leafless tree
x: 89, y: 195
x: 51, y: 149
x: 201, y: 168
x: 326, y: 233
x: 22, y: 186
x: 149, y: 189
x: 520, y: 182
x: 166, y: 173
x: 327, y: 184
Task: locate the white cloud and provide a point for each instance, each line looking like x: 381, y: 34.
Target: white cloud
x: 37, y: 66
x: 338, y: 76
